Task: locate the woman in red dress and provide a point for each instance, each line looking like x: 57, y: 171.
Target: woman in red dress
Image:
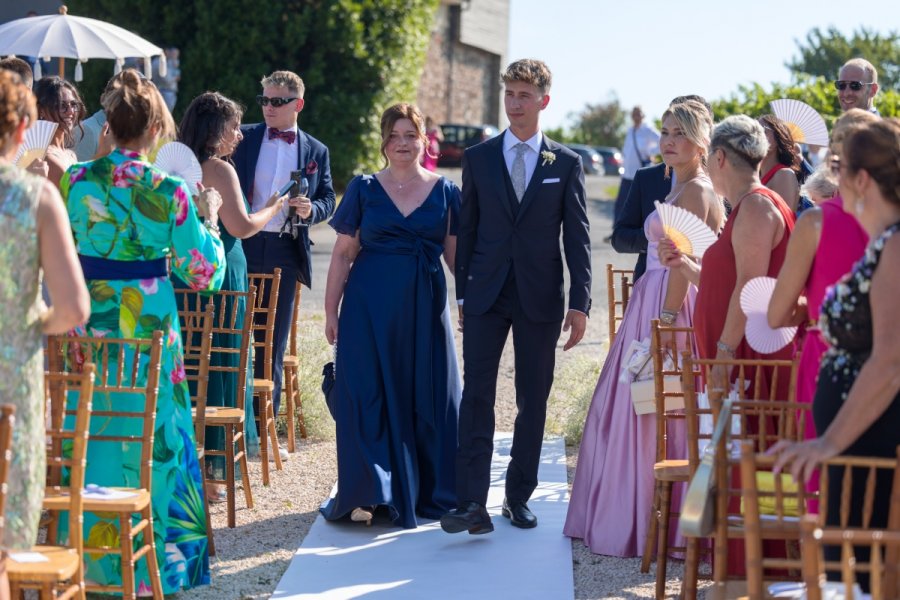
x: 778, y: 169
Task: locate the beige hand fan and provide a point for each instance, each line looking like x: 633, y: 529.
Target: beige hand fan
x: 689, y: 234
x: 178, y: 159
x: 805, y: 124
x: 37, y: 140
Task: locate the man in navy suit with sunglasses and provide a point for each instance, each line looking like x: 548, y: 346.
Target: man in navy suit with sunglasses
x: 265, y: 160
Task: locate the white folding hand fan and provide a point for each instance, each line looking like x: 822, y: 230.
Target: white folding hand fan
x: 806, y: 125
x: 755, y: 298
x: 37, y: 140
x: 177, y: 159
x: 689, y: 234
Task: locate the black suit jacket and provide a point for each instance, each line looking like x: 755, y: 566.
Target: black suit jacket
x: 496, y: 233
x: 313, y: 160
x: 650, y: 184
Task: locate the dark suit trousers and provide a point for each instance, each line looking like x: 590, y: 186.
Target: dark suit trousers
x: 535, y: 355
x: 265, y: 252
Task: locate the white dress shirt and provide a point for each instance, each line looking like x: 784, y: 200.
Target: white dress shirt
x: 530, y: 156
x: 276, y: 160
x: 645, y: 139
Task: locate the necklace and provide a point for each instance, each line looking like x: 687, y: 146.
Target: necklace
x: 397, y: 182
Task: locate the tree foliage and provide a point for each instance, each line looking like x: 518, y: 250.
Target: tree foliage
x: 599, y: 124
x: 356, y: 57
x: 824, y: 52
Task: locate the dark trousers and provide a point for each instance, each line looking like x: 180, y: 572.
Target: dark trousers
x: 265, y: 252
x: 624, y: 188
x: 535, y: 355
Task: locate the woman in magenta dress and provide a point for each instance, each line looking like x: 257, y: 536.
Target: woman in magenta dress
x: 612, y: 492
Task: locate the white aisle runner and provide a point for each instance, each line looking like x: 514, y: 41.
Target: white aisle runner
x: 349, y: 560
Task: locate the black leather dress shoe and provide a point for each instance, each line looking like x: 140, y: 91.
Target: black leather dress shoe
x: 518, y: 514
x: 472, y: 517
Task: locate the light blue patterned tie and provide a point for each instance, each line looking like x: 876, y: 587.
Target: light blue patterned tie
x: 518, y: 170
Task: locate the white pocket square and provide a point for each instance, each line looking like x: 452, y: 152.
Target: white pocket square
x: 551, y: 180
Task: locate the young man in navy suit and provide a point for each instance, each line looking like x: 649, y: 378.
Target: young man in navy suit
x: 265, y: 160
x: 520, y: 191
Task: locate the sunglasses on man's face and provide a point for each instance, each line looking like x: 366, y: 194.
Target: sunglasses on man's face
x: 853, y: 85
x: 276, y: 102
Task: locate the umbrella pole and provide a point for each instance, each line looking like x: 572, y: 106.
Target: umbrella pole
x: 62, y: 67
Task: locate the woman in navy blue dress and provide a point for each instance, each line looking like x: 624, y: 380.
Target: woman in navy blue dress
x: 397, y: 385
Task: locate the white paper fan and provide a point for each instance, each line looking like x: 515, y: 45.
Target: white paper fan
x: 755, y: 298
x: 689, y: 234
x: 37, y: 140
x: 806, y: 125
x: 177, y: 159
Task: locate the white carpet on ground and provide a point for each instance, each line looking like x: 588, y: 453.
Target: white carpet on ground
x: 343, y: 560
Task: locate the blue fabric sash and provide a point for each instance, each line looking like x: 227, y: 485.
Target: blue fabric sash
x: 108, y: 269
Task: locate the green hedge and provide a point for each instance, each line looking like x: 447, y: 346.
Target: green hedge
x: 356, y: 57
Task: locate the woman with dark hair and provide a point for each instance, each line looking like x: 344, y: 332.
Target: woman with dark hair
x: 397, y: 386
x: 211, y: 127
x: 778, y: 169
x: 58, y: 101
x: 132, y: 223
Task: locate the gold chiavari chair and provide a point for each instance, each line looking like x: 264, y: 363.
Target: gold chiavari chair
x: 293, y: 401
x: 617, y: 304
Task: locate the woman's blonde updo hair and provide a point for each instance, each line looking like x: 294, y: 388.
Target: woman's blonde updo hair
x: 847, y: 121
x: 389, y: 118
x: 16, y: 105
x: 694, y: 120
x: 875, y: 147
x: 133, y: 106
x: 741, y: 138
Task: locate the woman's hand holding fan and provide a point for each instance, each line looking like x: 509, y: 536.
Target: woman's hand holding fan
x: 689, y: 234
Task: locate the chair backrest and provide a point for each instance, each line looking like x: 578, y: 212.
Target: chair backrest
x: 67, y: 447
x: 770, y: 511
x: 617, y: 303
x: 7, y: 422
x: 292, y: 341
x: 668, y: 342
x: 196, y: 335
x: 264, y: 310
x: 873, y: 552
x: 128, y: 368
x: 234, y: 317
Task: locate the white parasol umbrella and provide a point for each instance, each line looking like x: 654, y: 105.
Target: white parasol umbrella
x: 81, y: 38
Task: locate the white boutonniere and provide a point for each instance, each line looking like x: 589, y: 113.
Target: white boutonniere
x: 549, y: 158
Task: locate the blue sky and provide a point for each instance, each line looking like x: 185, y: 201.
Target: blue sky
x: 648, y: 51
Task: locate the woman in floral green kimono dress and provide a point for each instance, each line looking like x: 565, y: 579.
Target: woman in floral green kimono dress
x: 127, y: 218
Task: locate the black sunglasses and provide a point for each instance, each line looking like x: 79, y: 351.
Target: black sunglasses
x: 276, y: 102
x: 854, y: 85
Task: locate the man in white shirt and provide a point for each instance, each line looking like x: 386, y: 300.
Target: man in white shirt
x: 641, y: 145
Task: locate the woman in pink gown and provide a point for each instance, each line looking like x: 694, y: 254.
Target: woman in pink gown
x: 612, y: 492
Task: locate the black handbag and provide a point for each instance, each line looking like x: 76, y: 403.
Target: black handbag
x: 328, y: 383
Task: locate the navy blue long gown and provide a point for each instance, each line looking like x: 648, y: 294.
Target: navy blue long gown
x: 397, y: 384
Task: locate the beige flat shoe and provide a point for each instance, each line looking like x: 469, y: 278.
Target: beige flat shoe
x: 362, y: 514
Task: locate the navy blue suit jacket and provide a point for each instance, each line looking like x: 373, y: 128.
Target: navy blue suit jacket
x: 650, y: 184
x: 313, y: 160
x: 497, y: 233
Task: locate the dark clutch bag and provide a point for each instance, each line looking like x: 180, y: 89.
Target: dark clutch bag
x: 328, y: 386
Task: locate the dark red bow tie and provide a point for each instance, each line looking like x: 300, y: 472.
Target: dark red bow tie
x: 288, y: 136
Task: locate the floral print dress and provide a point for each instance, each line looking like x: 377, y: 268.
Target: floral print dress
x: 124, y: 209
x: 21, y: 359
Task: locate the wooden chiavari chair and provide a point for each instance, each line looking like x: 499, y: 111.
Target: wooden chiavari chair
x: 61, y: 575
x: 670, y: 467
x: 868, y: 552
x: 232, y: 420
x: 196, y: 334
x: 293, y: 400
x: 130, y: 369
x: 617, y: 304
x: 264, y: 310
x: 7, y: 422
x: 762, y: 418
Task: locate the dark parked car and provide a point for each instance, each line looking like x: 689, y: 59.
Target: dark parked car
x: 612, y: 160
x: 590, y: 159
x: 459, y: 137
